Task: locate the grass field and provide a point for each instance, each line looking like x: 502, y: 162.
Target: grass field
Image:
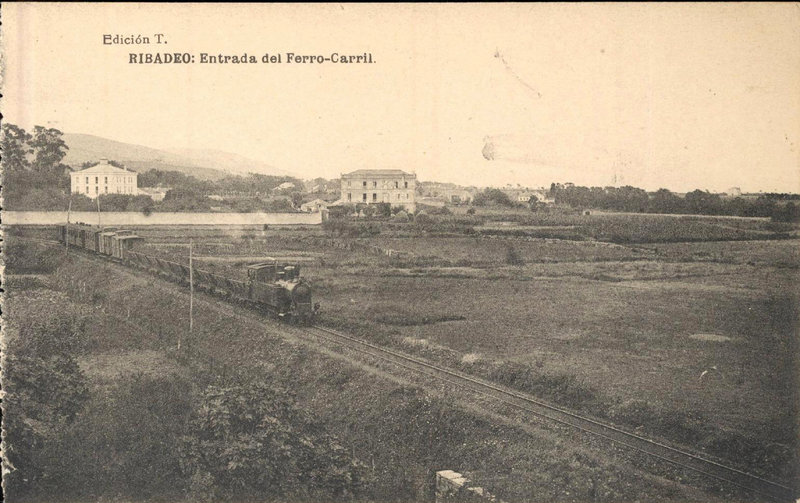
x: 128, y: 440
x: 695, y: 342
x: 620, y: 329
x: 616, y: 322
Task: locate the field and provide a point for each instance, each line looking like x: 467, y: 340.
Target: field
x: 693, y: 342
x: 130, y: 417
x: 689, y: 340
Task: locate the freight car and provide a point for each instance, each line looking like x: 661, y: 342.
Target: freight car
x: 271, y: 286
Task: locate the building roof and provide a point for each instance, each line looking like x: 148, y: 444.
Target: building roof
x: 104, y: 167
x: 315, y: 201
x: 377, y: 172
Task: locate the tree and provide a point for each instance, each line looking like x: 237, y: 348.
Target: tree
x: 297, y: 199
x: 15, y: 149
x: 89, y: 164
x: 703, y: 202
x: 384, y: 210
x: 16, y: 166
x: 184, y: 199
x: 664, y: 201
x: 41, y: 173
x: 48, y: 150
x: 492, y: 197
x: 123, y: 202
x: 789, y: 212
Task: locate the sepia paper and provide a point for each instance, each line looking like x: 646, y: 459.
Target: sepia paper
x: 522, y: 98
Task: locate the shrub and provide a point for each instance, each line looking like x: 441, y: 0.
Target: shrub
x: 249, y: 442
x: 124, y: 445
x: 400, y: 216
x: 45, y: 390
x: 421, y: 219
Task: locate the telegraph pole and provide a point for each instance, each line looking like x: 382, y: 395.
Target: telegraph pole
x: 191, y: 290
x: 66, y: 231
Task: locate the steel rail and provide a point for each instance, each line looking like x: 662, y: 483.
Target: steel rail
x: 672, y: 455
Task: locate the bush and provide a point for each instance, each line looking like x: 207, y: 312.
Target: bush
x: 124, y: 446
x: 400, y: 216
x: 249, y: 442
x: 421, y: 219
x: 45, y: 391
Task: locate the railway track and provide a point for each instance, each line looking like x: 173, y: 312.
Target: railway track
x: 529, y: 405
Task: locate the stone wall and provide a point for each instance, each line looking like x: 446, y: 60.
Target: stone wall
x: 118, y: 218
x: 453, y: 487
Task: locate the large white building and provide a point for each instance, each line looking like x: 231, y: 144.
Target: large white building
x: 103, y: 178
x: 373, y: 186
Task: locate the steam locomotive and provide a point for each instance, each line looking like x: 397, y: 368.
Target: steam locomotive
x: 271, y: 286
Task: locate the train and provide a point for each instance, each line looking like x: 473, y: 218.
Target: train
x: 271, y: 286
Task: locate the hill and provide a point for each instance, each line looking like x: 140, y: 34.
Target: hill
x: 203, y: 164
x: 227, y: 161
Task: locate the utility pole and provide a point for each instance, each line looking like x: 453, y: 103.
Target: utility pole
x: 191, y: 290
x: 66, y: 231
x: 191, y: 296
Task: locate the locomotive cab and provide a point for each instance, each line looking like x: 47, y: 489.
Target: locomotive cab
x: 280, y: 288
x: 264, y: 272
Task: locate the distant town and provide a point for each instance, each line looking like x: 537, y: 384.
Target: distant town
x: 39, y: 176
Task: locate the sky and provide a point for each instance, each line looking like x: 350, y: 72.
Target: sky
x: 679, y: 96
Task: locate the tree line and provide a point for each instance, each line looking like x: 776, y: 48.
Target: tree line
x: 35, y: 178
x: 780, y: 207
x: 33, y: 174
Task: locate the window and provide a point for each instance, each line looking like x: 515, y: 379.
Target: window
x: 398, y: 197
x: 348, y: 184
x: 364, y: 196
x: 364, y: 184
x: 96, y: 190
x: 406, y: 185
x: 106, y: 189
x: 374, y: 197
x: 406, y: 195
x: 396, y: 185
x: 96, y: 179
x: 87, y: 180
x: 105, y: 179
x: 349, y: 196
